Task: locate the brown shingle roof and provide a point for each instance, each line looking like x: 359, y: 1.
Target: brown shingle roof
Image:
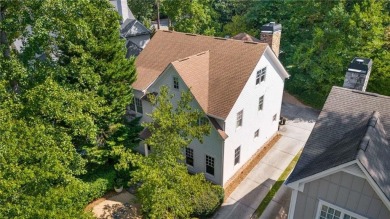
x: 230, y: 64
x: 194, y: 71
x: 245, y: 37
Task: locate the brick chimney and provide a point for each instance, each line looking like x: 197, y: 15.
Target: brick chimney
x: 271, y: 33
x: 358, y: 74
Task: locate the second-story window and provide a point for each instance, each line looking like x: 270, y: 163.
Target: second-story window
x: 136, y: 105
x: 260, y: 76
x: 240, y: 116
x: 176, y: 82
x: 261, y: 103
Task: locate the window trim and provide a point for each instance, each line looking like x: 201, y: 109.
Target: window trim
x: 262, y: 103
x: 191, y: 157
x: 241, y: 113
x: 237, y: 157
x: 135, y: 104
x: 261, y: 75
x: 342, y: 210
x: 176, y: 82
x: 213, y: 159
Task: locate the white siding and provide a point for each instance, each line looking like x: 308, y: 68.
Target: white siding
x: 212, y: 144
x: 272, y: 89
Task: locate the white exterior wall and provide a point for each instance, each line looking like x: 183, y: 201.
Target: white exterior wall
x: 212, y: 144
x: 272, y: 89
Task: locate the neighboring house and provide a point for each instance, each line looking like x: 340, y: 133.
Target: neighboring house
x: 344, y: 169
x: 135, y: 33
x: 270, y: 33
x: 237, y: 84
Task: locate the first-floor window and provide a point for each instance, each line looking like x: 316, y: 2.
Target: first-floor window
x: 136, y: 105
x: 237, y: 153
x: 329, y: 211
x: 190, y: 156
x: 210, y: 165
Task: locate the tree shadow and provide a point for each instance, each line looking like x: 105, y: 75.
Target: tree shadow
x: 245, y: 205
x: 119, y: 211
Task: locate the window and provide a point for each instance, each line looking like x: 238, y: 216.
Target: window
x: 261, y: 102
x: 149, y: 148
x: 136, y: 105
x: 257, y: 133
x: 176, y: 82
x: 329, y: 211
x: 210, y: 165
x: 274, y: 118
x: 190, y: 156
x: 239, y: 118
x: 203, y: 121
x: 260, y: 76
x: 237, y: 155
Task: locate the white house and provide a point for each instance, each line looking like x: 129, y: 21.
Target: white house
x: 237, y: 84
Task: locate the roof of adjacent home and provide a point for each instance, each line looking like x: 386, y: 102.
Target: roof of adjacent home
x: 353, y: 125
x: 245, y: 37
x: 216, y: 69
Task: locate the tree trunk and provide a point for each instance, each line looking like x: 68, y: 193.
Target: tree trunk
x: 158, y: 14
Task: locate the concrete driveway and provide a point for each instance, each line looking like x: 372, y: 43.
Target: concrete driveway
x: 244, y: 200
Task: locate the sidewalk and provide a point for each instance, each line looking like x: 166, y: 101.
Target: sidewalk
x: 243, y: 202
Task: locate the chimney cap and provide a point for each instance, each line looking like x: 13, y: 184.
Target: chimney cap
x: 362, y: 65
x: 271, y: 27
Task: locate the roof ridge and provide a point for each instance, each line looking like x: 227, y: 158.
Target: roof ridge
x: 191, y: 56
x: 213, y: 37
x: 362, y: 92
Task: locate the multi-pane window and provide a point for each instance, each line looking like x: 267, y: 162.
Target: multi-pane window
x: 260, y: 76
x: 176, y: 82
x: 136, y: 105
x: 239, y: 118
x: 190, y: 156
x: 257, y: 133
x: 203, y: 121
x: 237, y: 153
x: 261, y: 103
x: 210, y: 165
x: 329, y: 211
x: 274, y: 117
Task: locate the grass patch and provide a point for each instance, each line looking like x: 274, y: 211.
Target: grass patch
x: 271, y: 193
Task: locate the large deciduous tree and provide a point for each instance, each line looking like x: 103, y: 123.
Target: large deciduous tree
x: 167, y: 190
x: 63, y: 95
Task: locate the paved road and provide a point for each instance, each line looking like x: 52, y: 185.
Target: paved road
x: 243, y: 202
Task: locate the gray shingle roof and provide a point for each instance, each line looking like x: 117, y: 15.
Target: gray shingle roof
x: 352, y: 125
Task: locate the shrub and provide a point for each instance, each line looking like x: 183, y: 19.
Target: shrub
x: 208, y: 201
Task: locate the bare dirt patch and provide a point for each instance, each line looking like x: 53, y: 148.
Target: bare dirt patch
x: 115, y: 205
x: 246, y: 169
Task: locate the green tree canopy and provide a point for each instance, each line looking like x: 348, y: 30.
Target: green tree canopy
x: 63, y: 97
x: 167, y: 190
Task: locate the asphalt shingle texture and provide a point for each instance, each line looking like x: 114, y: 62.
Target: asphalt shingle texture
x: 352, y: 125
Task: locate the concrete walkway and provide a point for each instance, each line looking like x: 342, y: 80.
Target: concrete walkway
x: 243, y: 202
